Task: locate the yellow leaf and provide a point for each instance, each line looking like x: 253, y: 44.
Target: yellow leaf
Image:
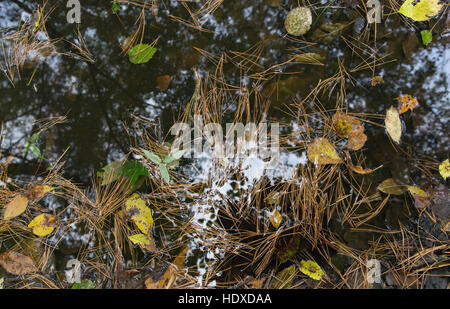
x: 393, y: 124
x: 276, y: 219
x: 422, y: 11
x: 144, y: 241
x: 389, y: 186
x: 16, y: 207
x: 39, y: 192
x: 139, y: 212
x: 321, y: 151
x: 43, y: 224
x: 376, y: 80
x: 311, y: 269
x: 417, y: 191
x: 406, y: 102
x: 444, y: 169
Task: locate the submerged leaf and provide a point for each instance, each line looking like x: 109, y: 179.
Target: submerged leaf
x: 298, y: 21
x: 275, y: 219
x: 311, y: 269
x: 163, y: 82
x: 321, y: 151
x: 393, y: 124
x: 141, y: 53
x: 137, y: 209
x: 444, y: 169
x: 111, y: 172
x: 16, y: 207
x: 347, y: 126
x: 43, y: 224
x: 420, y: 10
x: 376, y: 80
x: 389, y: 186
x: 360, y: 170
x: 17, y: 264
x: 310, y: 58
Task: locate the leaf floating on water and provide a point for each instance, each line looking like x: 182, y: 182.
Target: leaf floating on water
x: 393, y: 124
x: 321, y: 151
x: 360, y: 170
x: 347, y: 126
x: 84, y: 284
x: 133, y: 170
x: 39, y: 192
x: 137, y: 209
x: 310, y: 58
x: 43, y: 224
x: 163, y: 82
x: 298, y: 21
x: 444, y: 169
x: 421, y: 199
x: 389, y: 186
x: 357, y: 139
x: 311, y: 269
x: 275, y: 219
x: 17, y: 264
x: 376, y: 80
x: 406, y: 102
x: 144, y: 241
x: 427, y: 36
x: 421, y: 10
x: 16, y: 207
x: 141, y: 53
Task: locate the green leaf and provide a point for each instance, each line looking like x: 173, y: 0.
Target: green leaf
x: 34, y: 137
x: 115, y: 7
x: 164, y: 173
x: 427, y: 36
x: 173, y: 157
x: 85, y: 284
x: 133, y: 169
x: 152, y: 157
x: 35, y: 150
x: 112, y: 171
x: 141, y: 53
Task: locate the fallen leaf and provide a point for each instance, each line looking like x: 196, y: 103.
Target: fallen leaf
x: 141, y: 53
x: 360, y: 170
x: 275, y: 219
x: 39, y: 192
x: 389, y: 186
x: 16, y: 207
x: 310, y: 58
x: 347, y: 126
x: 145, y: 241
x: 298, y: 21
x: 376, y: 80
x: 112, y: 171
x: 163, y: 82
x: 311, y: 269
x: 321, y: 151
x: 137, y: 209
x: 444, y: 169
x: 43, y: 224
x: 393, y: 124
x: 427, y: 36
x: 17, y: 264
x: 421, y: 198
x: 406, y: 102
x: 273, y: 198
x: 283, y: 280
x: 421, y: 10
x: 357, y: 139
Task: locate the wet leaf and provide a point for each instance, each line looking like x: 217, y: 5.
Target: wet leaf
x: 360, y: 170
x: 421, y: 10
x: 311, y: 269
x: 298, y: 21
x: 111, y: 172
x: 141, y: 53
x: 39, y: 192
x: 406, y: 102
x: 310, y: 58
x: 321, y: 151
x: 43, y: 224
x: 163, y: 82
x: 16, y: 207
x: 389, y: 186
x: 427, y: 36
x: 393, y: 124
x: 357, y: 139
x: 152, y: 157
x: 84, y: 284
x: 145, y: 241
x: 444, y: 169
x: 133, y: 170
x: 284, y: 278
x: 376, y: 80
x: 276, y: 218
x: 347, y: 126
x: 17, y: 264
x: 137, y: 209
x: 421, y: 198
x: 164, y: 173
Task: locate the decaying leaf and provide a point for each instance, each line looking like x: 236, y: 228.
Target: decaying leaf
x: 393, y: 124
x: 170, y: 275
x: 310, y: 58
x: 360, y: 170
x: 321, y: 151
x: 140, y: 213
x: 43, y: 224
x: 421, y: 198
x: 16, y: 207
x: 311, y: 269
x: 275, y: 218
x: 16, y: 263
x: 444, y: 169
x: 389, y: 186
x: 163, y: 82
x: 347, y: 126
x: 406, y: 102
x: 376, y: 80
x: 420, y: 10
x: 145, y: 241
x: 298, y: 21
x: 357, y: 139
x: 39, y: 192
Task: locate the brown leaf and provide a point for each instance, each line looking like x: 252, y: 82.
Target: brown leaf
x: 39, y: 192
x: 389, y: 186
x: 16, y: 207
x: 359, y: 169
x: 16, y: 263
x: 357, y: 139
x: 163, y: 82
x: 348, y: 126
